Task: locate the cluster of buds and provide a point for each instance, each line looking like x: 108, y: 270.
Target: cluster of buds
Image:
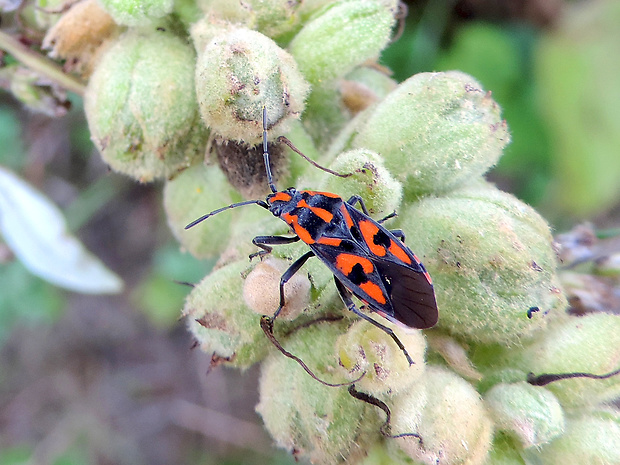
x: 173, y: 81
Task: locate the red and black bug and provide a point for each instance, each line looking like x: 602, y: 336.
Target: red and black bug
x: 367, y: 260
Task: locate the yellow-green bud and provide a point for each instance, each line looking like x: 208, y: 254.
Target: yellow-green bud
x: 436, y: 132
x: 491, y: 260
x: 342, y: 36
x: 238, y: 74
x: 141, y: 106
x: 531, y: 414
x: 590, y: 438
x: 505, y: 451
x: 370, y: 180
x: 588, y: 344
x: 364, y: 348
x: 274, y: 18
x: 193, y: 193
x: 454, y: 425
x: 315, y: 422
x: 220, y: 320
x: 137, y: 13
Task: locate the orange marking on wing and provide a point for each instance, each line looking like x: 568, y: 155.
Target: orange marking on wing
x: 347, y: 218
x: 331, y: 241
x: 368, y: 230
x: 373, y: 291
x: 320, y: 212
x: 398, y: 251
x: 346, y: 261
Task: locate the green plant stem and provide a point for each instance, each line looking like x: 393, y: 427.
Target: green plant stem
x: 40, y: 64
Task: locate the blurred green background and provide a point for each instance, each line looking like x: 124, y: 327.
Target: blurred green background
x: 112, y: 380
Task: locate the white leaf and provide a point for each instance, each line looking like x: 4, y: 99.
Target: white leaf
x: 36, y: 231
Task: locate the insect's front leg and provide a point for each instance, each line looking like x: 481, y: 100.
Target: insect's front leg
x: 286, y: 276
x: 264, y: 242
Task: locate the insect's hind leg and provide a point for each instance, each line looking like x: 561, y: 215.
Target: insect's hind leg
x: 345, y: 294
x: 264, y: 242
x: 266, y: 322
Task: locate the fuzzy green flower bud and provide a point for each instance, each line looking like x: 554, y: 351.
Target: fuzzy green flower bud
x: 588, y: 344
x: 141, y: 107
x: 365, y: 86
x: 380, y: 191
x: 342, y: 36
x: 221, y: 322
x: 274, y: 18
x: 454, y: 425
x: 364, y: 348
x: 436, y: 131
x: 592, y: 438
x: 191, y: 194
x: 322, y: 424
x: 505, y: 451
x: 238, y: 74
x: 137, y: 13
x: 532, y: 414
x: 491, y: 260
x: 261, y: 290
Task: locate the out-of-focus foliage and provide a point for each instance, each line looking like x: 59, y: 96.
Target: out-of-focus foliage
x: 558, y: 89
x: 162, y: 292
x: 577, y: 70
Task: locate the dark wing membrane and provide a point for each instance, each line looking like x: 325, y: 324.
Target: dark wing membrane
x: 412, y: 296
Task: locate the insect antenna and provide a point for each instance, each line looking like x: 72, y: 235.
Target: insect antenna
x: 543, y: 380
x: 266, y: 324
x: 385, y: 427
x: 260, y: 203
x: 272, y: 186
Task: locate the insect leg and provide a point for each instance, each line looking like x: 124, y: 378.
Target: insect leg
x: 345, y: 295
x: 543, y: 380
x: 355, y: 199
x: 288, y: 274
x: 264, y: 243
x: 387, y: 217
x: 385, y: 428
x: 399, y: 234
x: 266, y: 325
